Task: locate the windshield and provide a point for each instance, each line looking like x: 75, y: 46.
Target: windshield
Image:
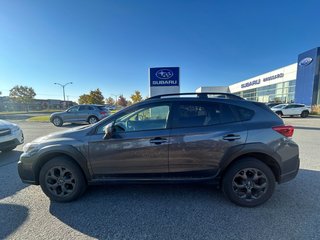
x: 280, y: 106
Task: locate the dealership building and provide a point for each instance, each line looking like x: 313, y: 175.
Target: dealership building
x: 298, y: 82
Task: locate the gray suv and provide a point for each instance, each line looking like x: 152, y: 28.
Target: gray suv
x: 238, y: 145
x: 81, y: 113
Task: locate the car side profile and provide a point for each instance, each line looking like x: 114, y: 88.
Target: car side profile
x: 292, y: 109
x: 238, y: 145
x: 90, y: 113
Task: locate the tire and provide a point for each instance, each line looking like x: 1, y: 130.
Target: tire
x: 92, y: 120
x: 62, y: 180
x: 240, y: 187
x: 57, y: 121
x: 8, y: 149
x: 304, y: 114
x: 279, y: 113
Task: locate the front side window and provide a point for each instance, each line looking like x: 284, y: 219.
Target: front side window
x: 73, y: 109
x: 149, y: 118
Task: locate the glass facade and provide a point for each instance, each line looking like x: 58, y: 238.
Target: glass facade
x: 279, y: 92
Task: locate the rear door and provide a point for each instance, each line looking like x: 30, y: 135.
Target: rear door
x: 202, y: 132
x: 84, y: 113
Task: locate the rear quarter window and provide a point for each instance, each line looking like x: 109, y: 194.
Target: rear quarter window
x: 244, y: 114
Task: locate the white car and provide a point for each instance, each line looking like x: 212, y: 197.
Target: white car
x: 292, y: 109
x: 11, y: 136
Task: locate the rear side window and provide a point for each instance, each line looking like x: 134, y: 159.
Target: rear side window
x: 244, y: 113
x: 102, y: 108
x: 202, y: 114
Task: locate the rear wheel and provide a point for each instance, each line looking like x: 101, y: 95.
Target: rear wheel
x: 57, y: 121
x: 62, y: 180
x: 248, y: 182
x: 304, y: 114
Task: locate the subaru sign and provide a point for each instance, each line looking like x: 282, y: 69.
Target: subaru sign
x: 164, y: 80
x: 306, y: 61
x: 168, y: 76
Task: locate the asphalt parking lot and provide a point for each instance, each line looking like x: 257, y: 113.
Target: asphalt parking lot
x: 163, y: 211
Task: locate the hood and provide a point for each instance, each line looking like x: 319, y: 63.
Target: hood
x: 5, y: 124
x: 73, y: 133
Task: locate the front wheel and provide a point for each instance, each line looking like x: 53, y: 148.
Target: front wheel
x: 57, y: 121
x: 304, y: 114
x: 248, y: 183
x: 62, y: 180
x: 279, y: 113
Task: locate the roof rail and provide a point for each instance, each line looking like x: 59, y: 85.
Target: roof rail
x: 201, y: 95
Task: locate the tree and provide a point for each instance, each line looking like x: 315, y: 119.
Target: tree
x: 136, y: 97
x: 22, y: 94
x: 94, y: 97
x: 84, y: 99
x: 110, y: 101
x: 122, y: 101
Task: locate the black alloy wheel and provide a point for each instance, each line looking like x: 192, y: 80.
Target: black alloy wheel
x: 249, y: 182
x: 62, y: 180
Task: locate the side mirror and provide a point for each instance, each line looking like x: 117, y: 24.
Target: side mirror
x: 108, y: 131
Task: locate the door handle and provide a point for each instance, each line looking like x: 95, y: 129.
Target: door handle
x: 231, y: 137
x: 158, y: 140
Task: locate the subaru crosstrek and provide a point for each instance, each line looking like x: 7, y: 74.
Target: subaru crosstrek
x: 241, y: 146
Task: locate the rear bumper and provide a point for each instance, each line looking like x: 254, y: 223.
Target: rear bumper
x: 294, y: 164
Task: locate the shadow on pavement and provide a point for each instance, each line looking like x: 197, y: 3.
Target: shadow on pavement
x: 9, y: 157
x: 10, y: 182
x: 306, y: 128
x: 193, y: 212
x: 12, y: 217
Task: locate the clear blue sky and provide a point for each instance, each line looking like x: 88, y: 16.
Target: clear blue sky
x: 111, y: 44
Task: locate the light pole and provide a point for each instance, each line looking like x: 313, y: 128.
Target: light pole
x: 63, y: 86
x: 116, y: 95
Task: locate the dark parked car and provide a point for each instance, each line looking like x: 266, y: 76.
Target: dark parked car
x: 239, y: 145
x: 81, y: 113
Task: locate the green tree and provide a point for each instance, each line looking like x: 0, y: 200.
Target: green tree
x: 22, y: 94
x: 136, y: 97
x: 110, y: 101
x: 84, y: 99
x: 122, y: 101
x: 94, y: 97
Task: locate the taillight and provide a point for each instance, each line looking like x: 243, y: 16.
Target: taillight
x: 103, y: 113
x: 286, y: 131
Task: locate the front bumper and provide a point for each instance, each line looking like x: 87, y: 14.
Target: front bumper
x: 10, y: 141
x: 25, y: 170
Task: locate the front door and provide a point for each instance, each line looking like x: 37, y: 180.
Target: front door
x: 138, y: 146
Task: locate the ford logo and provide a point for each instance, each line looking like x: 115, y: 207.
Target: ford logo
x: 164, y: 74
x: 306, y: 61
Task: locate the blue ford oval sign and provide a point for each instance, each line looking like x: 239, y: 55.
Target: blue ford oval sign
x: 164, y: 74
x: 306, y: 61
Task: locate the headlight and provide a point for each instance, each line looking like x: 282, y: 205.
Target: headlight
x: 15, y: 128
x: 30, y: 149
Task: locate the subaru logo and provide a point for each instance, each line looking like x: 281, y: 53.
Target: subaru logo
x: 306, y: 61
x: 164, y: 74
